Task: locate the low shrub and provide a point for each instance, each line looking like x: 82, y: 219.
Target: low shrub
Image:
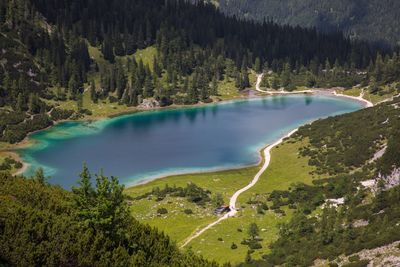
x: 188, y: 211
x: 162, y: 211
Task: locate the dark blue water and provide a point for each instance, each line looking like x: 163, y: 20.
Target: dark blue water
x: 150, y: 144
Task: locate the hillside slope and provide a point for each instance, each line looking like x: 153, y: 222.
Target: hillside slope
x: 366, y: 19
x: 354, y: 206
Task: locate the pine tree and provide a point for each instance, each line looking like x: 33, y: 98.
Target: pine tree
x: 245, y: 79
x: 285, y: 76
x: 93, y: 93
x: 214, y: 87
x: 253, y: 230
x: 79, y: 102
x: 107, y: 50
x: 148, y: 87
x: 39, y: 177
x: 257, y: 65
x: 19, y: 106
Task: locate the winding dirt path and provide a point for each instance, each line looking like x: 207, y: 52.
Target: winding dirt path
x: 232, y: 202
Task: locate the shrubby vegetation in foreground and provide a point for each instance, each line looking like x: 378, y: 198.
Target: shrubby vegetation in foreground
x: 44, y: 225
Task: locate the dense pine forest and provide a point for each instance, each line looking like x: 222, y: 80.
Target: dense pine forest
x: 363, y: 19
x: 45, y: 56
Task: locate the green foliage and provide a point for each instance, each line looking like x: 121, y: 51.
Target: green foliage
x: 365, y: 19
x: 162, y: 211
x: 191, y: 192
x: 359, y: 263
x: 317, y: 231
x: 253, y: 230
x: 14, y: 133
x: 340, y: 144
x: 188, y: 211
x: 217, y: 200
x: 42, y: 225
x: 8, y: 163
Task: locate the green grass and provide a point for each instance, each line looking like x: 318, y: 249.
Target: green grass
x: 101, y: 109
x: 355, y: 91
x: 177, y: 224
x: 376, y: 98
x: 384, y: 94
x: 285, y: 169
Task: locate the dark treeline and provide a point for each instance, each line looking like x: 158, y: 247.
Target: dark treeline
x: 385, y: 70
x: 44, y: 225
x: 363, y: 19
x: 45, y: 45
x: 135, y: 24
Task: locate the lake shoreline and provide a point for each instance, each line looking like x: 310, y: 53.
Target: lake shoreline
x: 251, y: 94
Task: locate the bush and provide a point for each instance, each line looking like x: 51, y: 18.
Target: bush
x: 354, y: 258
x: 61, y: 114
x: 279, y: 211
x: 233, y: 246
x: 188, y: 211
x: 112, y: 99
x: 162, y: 211
x: 254, y: 245
x: 264, y: 206
x: 260, y: 210
x: 362, y: 263
x: 220, y: 239
x: 18, y: 165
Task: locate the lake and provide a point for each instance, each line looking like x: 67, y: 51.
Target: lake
x: 150, y: 144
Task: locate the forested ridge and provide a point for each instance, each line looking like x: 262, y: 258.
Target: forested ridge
x: 44, y: 225
x: 363, y: 19
x: 46, y: 60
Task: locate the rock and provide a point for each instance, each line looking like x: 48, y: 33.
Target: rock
x: 360, y: 223
x: 149, y: 104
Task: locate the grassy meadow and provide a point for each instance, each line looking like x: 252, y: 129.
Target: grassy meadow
x: 286, y: 168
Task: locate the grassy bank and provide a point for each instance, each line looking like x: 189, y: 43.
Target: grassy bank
x: 176, y: 223
x: 285, y: 169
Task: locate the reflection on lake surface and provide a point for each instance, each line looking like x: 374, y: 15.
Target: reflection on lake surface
x: 149, y: 144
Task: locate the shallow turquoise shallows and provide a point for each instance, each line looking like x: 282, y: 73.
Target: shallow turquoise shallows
x: 146, y: 145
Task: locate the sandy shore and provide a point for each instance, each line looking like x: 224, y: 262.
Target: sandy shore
x: 24, y: 167
x: 14, y: 155
x: 359, y: 98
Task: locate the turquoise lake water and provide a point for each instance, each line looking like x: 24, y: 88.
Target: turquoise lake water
x: 151, y: 144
